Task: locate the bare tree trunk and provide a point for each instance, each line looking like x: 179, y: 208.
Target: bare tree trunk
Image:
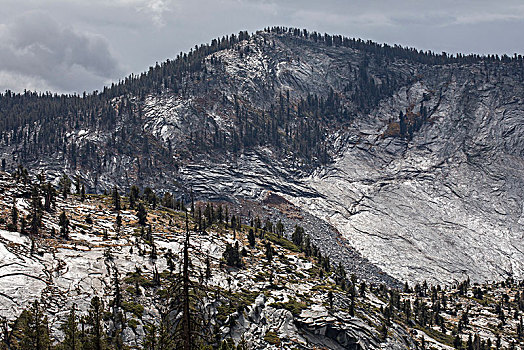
x: 186, y: 327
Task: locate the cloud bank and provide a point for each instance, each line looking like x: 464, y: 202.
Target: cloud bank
x: 74, y: 45
x: 37, y: 53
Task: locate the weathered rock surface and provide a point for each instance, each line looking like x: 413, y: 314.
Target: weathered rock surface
x: 61, y: 272
x: 442, y: 205
x: 448, y: 204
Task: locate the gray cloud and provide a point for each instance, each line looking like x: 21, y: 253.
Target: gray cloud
x: 38, y: 52
x: 72, y: 45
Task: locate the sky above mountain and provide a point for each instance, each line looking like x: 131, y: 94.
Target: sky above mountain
x: 76, y: 45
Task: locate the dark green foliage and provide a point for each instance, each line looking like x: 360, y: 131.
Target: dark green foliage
x: 49, y: 193
x: 279, y: 229
x: 383, y: 332
x: 77, y: 185
x: 141, y: 214
x: 118, y: 222
x: 23, y: 226
x: 209, y: 214
x: 96, y: 338
x: 298, y: 236
x: 133, y: 308
x: 21, y: 174
x: 36, y: 210
x: 340, y: 275
x: 251, y: 237
x: 457, y: 342
x: 150, y: 197
x: 116, y: 199
x: 134, y: 195
x: 34, y: 329
x: 330, y: 299
x: 232, y: 256
x: 362, y: 290
x: 63, y: 222
x: 292, y: 305
x: 72, y: 336
x: 65, y: 185
x: 272, y: 338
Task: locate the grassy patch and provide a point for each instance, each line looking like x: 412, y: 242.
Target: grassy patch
x: 283, y: 242
x: 272, y: 338
x: 438, y: 336
x: 292, y: 305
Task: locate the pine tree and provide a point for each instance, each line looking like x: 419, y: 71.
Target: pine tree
x: 167, y: 337
x: 185, y: 322
x: 77, y: 185
x: 192, y: 202
x: 23, y: 226
x: 383, y: 331
x: 63, y: 222
x: 9, y: 333
x: 298, y: 236
x: 352, y: 301
x: 96, y: 336
x: 232, y: 256
x: 118, y: 222
x: 279, y: 228
x: 363, y: 289
x: 116, y: 199
x: 65, y: 185
x: 134, y: 195
x: 71, y: 333
x: 234, y: 225
x: 469, y: 344
x: 220, y: 214
x: 141, y: 214
x: 330, y: 299
x: 457, y: 342
x: 36, y: 211
x: 150, y: 341
x: 251, y: 237
x: 34, y: 329
x: 49, y: 196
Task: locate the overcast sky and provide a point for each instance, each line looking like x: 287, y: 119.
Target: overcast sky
x: 77, y: 45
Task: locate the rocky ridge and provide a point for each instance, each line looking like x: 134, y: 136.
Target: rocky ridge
x: 439, y: 202
x: 287, y: 302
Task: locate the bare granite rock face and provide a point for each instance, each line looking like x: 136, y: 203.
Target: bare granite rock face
x: 442, y: 206
x: 446, y: 205
x: 97, y: 258
x: 441, y: 202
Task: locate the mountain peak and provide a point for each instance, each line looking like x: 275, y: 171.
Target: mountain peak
x: 412, y: 159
